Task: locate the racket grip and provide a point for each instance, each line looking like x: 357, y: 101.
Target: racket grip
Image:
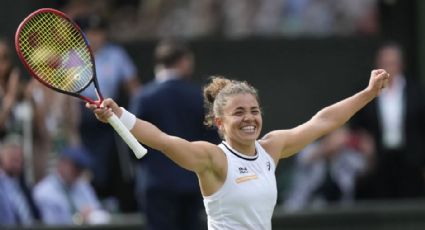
x: 125, y: 134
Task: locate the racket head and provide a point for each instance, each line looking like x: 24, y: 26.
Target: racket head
x: 57, y: 53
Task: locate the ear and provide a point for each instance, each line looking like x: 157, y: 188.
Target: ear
x: 218, y: 121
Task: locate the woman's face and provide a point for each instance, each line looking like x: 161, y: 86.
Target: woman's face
x: 241, y: 121
x: 97, y: 38
x: 390, y: 59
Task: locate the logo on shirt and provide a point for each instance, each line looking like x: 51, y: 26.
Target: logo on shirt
x: 243, y: 170
x: 268, y: 165
x: 245, y: 178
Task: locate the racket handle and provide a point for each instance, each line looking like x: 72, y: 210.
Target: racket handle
x: 125, y: 134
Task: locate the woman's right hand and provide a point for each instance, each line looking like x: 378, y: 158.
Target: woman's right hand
x: 105, y: 110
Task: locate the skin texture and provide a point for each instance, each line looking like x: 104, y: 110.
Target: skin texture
x: 241, y: 124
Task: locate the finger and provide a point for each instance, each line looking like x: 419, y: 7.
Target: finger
x: 383, y: 84
x: 90, y: 106
x: 382, y: 75
x: 376, y: 72
x: 109, y: 103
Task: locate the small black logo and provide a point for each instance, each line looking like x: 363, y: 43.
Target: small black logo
x: 243, y: 170
x: 268, y: 165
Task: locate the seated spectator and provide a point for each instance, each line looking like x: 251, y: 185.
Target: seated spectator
x: 66, y: 196
x: 325, y: 171
x: 16, y: 204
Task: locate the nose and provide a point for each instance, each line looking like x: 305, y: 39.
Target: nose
x: 248, y: 117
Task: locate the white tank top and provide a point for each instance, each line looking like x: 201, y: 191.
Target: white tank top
x: 248, y: 196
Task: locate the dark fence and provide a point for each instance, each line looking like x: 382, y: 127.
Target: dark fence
x: 295, y: 78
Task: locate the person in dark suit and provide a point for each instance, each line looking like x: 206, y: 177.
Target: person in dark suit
x: 396, y: 121
x: 169, y: 194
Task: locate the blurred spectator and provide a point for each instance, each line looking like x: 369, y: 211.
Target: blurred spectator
x: 245, y: 18
x: 396, y: 121
x: 329, y: 17
x: 169, y: 194
x: 78, y: 8
x: 206, y: 18
x: 15, y: 111
x: 66, y: 196
x: 269, y: 16
x: 9, y: 91
x: 165, y: 18
x: 325, y: 171
x: 17, y: 204
x: 239, y: 17
x: 55, y: 125
x: 116, y: 73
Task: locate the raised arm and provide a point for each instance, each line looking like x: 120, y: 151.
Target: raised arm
x: 10, y: 97
x: 195, y: 156
x: 284, y: 143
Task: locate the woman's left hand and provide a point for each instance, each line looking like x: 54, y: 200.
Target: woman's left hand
x: 379, y: 79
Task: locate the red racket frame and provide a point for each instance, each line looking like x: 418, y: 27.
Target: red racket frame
x: 33, y: 74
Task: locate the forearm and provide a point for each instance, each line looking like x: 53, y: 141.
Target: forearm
x: 339, y: 113
x: 149, y: 134
x: 192, y: 156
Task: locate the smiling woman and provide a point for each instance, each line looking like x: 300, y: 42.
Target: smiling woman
x: 236, y: 177
x: 234, y: 108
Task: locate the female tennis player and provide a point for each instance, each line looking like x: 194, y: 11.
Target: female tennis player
x: 237, y: 177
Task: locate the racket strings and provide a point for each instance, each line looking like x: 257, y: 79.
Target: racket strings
x: 56, y: 52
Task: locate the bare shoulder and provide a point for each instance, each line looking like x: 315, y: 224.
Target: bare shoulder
x: 215, y: 154
x: 274, y: 142
x: 207, y: 147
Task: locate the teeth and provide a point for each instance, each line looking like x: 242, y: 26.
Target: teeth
x: 248, y: 128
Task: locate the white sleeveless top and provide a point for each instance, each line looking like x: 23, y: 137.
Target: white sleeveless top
x: 248, y: 196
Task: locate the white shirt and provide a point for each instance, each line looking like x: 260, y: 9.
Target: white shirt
x: 163, y: 75
x: 391, y: 110
x: 248, y: 196
x: 55, y: 206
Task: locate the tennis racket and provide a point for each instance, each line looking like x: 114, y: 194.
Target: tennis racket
x: 56, y: 52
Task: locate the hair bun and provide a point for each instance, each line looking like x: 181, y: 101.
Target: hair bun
x: 211, y: 90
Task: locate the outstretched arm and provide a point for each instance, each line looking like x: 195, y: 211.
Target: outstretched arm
x: 284, y: 143
x: 194, y: 156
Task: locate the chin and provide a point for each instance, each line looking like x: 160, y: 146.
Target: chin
x: 252, y: 137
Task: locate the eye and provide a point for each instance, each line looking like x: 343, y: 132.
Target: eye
x: 238, y: 113
x: 255, y: 112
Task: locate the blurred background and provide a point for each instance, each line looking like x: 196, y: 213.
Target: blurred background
x: 302, y: 55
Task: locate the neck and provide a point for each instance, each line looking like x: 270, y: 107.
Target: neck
x: 167, y: 74
x: 244, y: 148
